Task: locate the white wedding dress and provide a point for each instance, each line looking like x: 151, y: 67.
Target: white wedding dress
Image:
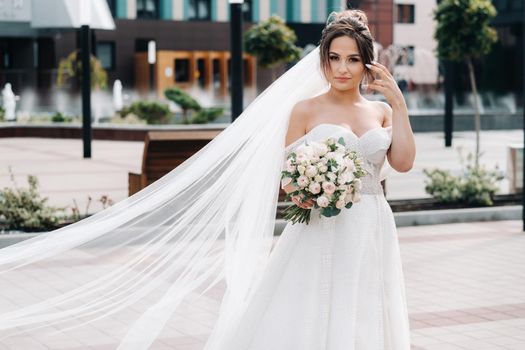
x: 336, y: 283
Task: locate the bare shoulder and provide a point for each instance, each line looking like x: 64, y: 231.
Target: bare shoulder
x: 386, y: 112
x: 299, y: 116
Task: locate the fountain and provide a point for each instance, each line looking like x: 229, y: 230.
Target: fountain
x: 9, y: 103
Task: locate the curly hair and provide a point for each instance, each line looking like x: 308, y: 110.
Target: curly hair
x: 351, y: 23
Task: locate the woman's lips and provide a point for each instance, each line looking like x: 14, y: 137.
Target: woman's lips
x: 342, y: 78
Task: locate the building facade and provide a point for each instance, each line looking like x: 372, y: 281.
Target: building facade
x: 192, y: 38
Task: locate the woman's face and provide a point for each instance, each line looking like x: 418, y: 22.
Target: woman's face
x: 346, y: 66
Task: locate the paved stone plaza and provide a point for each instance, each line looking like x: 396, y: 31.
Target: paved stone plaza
x: 465, y: 286
x: 465, y: 283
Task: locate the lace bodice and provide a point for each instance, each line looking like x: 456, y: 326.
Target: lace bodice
x: 371, y: 147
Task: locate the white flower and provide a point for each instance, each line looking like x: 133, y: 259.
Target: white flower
x: 311, y: 171
x: 322, y: 201
x: 301, y: 169
x: 349, y: 197
x: 305, y: 149
x: 300, y: 158
x: 319, y: 178
x: 340, y: 204
x: 342, y: 178
x: 302, y: 181
x: 330, y: 141
x: 340, y: 148
x: 330, y: 155
x: 323, y: 169
x: 349, y: 163
x: 320, y: 149
x: 331, y: 176
x: 357, y: 184
x: 314, y: 188
x: 328, y: 187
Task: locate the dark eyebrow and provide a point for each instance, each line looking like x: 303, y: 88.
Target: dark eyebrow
x: 354, y: 54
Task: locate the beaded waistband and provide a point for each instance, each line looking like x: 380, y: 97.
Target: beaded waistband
x: 370, y: 186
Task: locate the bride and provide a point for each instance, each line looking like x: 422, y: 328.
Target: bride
x: 130, y: 275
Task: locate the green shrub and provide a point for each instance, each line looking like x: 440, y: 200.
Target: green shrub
x: 475, y: 186
x: 183, y: 100
x: 206, y: 115
x: 150, y: 111
x: 2, y: 113
x: 25, y: 209
x: 59, y: 117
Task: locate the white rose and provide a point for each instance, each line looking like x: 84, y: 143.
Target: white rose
x: 322, y: 201
x: 349, y: 176
x: 301, y: 158
x: 330, y: 141
x: 331, y: 176
x: 349, y: 163
x: 323, y: 169
x: 319, y: 178
x: 340, y: 149
x: 302, y: 181
x: 342, y: 178
x: 305, y: 150
x: 340, y: 204
x: 357, y: 184
x: 314, y: 188
x: 330, y: 155
x: 328, y: 187
x: 311, y: 171
x: 320, y: 149
x: 301, y: 169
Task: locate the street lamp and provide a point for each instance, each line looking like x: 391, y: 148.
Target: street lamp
x: 152, y: 58
x: 85, y: 52
x: 236, y: 63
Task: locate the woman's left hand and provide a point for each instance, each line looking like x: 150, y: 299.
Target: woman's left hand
x: 385, y: 84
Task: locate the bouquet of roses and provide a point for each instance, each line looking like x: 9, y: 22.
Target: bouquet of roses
x: 326, y: 172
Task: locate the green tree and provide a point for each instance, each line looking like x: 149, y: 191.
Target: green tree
x: 272, y: 42
x: 70, y: 66
x: 183, y: 100
x: 463, y: 34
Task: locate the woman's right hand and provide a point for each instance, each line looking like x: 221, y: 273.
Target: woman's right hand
x: 298, y: 200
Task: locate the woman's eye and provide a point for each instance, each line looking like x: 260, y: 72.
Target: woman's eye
x: 334, y: 57
x: 354, y: 60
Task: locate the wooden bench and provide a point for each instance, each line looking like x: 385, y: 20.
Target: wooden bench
x: 164, y: 151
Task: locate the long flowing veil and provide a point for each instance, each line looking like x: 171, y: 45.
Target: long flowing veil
x: 122, y: 275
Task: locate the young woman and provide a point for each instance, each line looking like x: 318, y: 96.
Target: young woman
x: 135, y: 274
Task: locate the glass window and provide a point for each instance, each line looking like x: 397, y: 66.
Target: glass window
x: 405, y: 13
x: 199, y: 10
x: 182, y: 70
x: 106, y: 54
x: 148, y: 9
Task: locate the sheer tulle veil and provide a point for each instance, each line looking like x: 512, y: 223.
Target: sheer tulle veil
x: 134, y: 267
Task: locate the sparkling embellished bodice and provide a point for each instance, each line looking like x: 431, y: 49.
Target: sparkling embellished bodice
x: 371, y: 147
